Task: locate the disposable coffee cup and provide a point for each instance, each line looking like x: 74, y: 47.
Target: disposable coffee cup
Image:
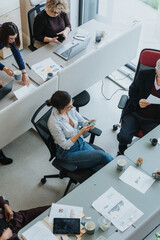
x: 90, y: 227
x: 17, y: 75
x: 121, y: 164
x: 104, y: 223
x: 156, y: 174
x: 153, y: 141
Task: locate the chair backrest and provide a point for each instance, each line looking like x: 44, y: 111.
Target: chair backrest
x: 31, y: 16
x: 42, y: 128
x: 148, y: 58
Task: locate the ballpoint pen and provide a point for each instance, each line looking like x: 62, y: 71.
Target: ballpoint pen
x: 61, y: 237
x: 28, y: 66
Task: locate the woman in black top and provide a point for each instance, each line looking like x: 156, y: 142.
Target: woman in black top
x: 52, y: 21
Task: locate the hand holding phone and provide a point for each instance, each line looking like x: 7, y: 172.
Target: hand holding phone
x: 60, y: 38
x: 91, y: 123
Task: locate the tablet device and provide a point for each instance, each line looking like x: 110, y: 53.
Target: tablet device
x: 70, y: 226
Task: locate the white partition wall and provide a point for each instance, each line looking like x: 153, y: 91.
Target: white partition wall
x: 16, y: 118
x: 100, y: 62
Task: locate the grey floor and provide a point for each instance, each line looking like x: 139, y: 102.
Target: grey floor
x: 19, y: 182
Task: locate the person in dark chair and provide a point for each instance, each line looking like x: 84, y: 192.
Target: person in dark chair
x: 138, y: 113
x: 64, y: 125
x: 11, y: 222
x: 52, y: 21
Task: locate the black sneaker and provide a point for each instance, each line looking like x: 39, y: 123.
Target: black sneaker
x: 5, y: 160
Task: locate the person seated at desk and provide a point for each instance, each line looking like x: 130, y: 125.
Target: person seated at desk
x: 11, y: 222
x: 9, y: 38
x: 63, y: 124
x: 52, y: 21
x: 138, y: 113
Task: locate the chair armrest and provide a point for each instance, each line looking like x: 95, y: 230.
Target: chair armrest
x: 122, y: 102
x: 95, y: 131
x: 65, y: 165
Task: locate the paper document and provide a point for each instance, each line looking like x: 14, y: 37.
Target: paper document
x: 38, y: 232
x: 81, y: 34
x: 64, y: 211
x: 46, y: 66
x: 137, y: 179
x: 153, y: 100
x: 116, y: 208
x: 21, y: 92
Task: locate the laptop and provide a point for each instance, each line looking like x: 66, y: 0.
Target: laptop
x: 72, y: 48
x: 6, y: 89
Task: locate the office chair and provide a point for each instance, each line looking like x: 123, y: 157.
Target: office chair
x: 66, y: 170
x: 147, y: 60
x: 31, y: 16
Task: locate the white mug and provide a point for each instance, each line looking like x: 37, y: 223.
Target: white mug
x: 90, y: 227
x: 17, y: 75
x: 121, y: 164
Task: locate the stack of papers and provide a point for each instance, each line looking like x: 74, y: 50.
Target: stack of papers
x: 137, y: 179
x: 21, y: 92
x: 81, y: 34
x: 64, y: 211
x: 153, y: 99
x: 46, y: 66
x: 116, y: 208
x: 38, y: 232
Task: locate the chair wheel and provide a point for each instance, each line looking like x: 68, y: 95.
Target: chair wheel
x: 115, y: 127
x: 43, y: 180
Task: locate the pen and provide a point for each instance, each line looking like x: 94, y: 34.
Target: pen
x: 61, y: 238
x: 28, y: 66
x: 34, y: 81
x: 15, y: 66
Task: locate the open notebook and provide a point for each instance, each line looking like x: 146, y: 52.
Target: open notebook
x: 39, y: 231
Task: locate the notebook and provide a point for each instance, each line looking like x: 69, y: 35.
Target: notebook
x: 70, y: 49
x: 6, y: 89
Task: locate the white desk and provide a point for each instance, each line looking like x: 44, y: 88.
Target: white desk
x: 94, y: 63
x: 79, y: 73
x: 95, y: 186
x: 15, y: 115
x: 143, y: 148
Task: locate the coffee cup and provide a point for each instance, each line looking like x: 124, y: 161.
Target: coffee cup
x: 156, y: 174
x: 90, y: 227
x: 17, y: 75
x: 121, y: 164
x: 104, y: 223
x: 153, y: 141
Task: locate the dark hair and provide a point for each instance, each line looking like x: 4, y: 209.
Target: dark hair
x: 59, y: 100
x: 7, y: 29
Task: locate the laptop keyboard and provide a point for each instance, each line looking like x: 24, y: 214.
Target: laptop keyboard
x: 66, y: 53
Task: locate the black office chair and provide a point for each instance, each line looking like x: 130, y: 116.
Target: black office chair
x: 66, y: 170
x: 31, y: 16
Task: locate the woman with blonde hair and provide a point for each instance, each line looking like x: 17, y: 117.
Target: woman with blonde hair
x: 52, y: 24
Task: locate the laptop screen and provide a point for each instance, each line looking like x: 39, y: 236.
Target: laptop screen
x: 6, y: 89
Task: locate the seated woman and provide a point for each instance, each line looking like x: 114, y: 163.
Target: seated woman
x: 11, y: 222
x: 9, y: 38
x: 64, y: 125
x: 52, y: 21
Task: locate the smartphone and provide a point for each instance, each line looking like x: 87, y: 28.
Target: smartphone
x: 60, y: 38
x: 91, y: 123
x: 70, y: 226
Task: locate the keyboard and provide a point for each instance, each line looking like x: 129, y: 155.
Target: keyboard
x: 66, y: 53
